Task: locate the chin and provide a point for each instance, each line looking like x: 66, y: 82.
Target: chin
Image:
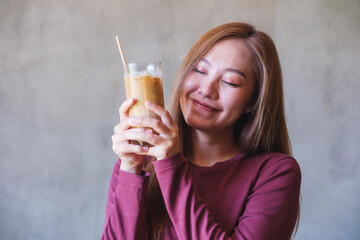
x: 197, y: 121
x: 198, y: 125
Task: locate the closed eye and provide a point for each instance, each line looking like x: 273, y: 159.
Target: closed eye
x: 198, y: 71
x: 230, y: 84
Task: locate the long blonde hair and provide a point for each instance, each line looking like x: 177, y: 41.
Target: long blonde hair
x: 262, y: 130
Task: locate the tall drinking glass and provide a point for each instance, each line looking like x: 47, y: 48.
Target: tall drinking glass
x: 143, y: 82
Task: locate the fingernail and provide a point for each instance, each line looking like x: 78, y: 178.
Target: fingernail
x: 145, y: 149
x: 148, y: 130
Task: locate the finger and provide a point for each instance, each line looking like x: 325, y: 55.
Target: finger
x: 161, y: 112
x: 118, y: 128
x: 124, y: 148
x: 154, y: 151
x: 118, y: 139
x: 123, y: 125
x: 125, y: 107
x: 159, y: 152
x: 138, y: 130
x: 129, y: 134
x: 153, y: 123
x: 127, y: 125
x: 148, y: 137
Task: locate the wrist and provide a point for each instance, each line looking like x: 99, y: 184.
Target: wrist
x: 170, y: 154
x: 137, y: 170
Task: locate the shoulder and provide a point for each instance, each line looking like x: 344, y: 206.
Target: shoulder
x: 276, y: 160
x: 279, y: 159
x: 278, y: 167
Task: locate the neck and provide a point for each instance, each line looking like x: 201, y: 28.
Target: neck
x: 210, y: 148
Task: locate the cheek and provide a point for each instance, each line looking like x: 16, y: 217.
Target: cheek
x: 187, y: 88
x: 235, y: 110
x: 235, y: 104
x: 190, y: 85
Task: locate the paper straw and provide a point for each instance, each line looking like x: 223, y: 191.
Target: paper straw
x: 121, y: 53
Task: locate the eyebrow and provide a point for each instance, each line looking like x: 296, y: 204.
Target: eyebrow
x: 228, y: 69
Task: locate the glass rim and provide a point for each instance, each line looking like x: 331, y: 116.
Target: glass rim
x: 144, y: 63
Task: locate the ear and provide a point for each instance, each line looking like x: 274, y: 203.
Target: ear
x: 250, y: 107
x: 252, y: 103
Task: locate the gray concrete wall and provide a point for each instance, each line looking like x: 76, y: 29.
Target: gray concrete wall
x: 61, y: 85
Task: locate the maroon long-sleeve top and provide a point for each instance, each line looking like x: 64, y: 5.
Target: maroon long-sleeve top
x: 253, y: 197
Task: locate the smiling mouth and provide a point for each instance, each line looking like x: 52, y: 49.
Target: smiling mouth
x: 203, y: 106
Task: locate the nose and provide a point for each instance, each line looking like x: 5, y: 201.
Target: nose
x: 209, y: 87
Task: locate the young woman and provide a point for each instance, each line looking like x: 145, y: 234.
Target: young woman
x: 219, y: 164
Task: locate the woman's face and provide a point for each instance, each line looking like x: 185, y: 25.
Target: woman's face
x: 218, y: 90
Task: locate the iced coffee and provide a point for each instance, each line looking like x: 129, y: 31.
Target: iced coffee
x: 143, y: 82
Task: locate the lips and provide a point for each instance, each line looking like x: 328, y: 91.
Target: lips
x: 203, y: 105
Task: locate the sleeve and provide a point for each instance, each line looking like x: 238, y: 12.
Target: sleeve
x: 270, y: 212
x: 126, y: 206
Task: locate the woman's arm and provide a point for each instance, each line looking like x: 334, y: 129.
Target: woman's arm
x: 126, y: 206
x: 270, y: 212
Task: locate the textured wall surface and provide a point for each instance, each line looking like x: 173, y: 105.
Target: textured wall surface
x: 61, y: 85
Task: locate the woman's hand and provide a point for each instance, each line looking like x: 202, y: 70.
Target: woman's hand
x: 165, y: 137
x: 131, y: 155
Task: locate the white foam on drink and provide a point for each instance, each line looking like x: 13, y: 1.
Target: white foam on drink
x: 147, y: 73
x: 150, y: 73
